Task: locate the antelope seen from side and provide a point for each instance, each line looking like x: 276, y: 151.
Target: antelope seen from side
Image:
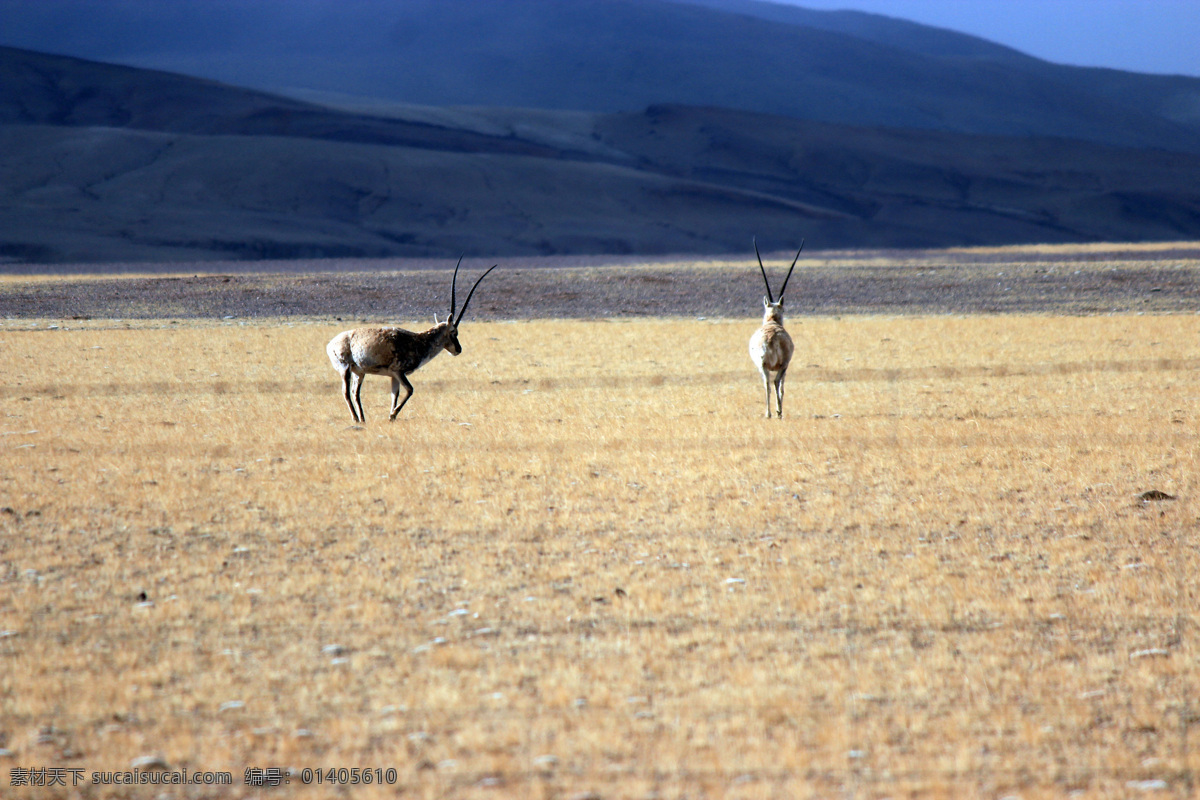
x: 771, y: 347
x: 394, y: 352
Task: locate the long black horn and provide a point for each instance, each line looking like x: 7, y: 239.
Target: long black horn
x: 471, y: 293
x: 789, y: 275
x: 770, y: 296
x: 453, y: 283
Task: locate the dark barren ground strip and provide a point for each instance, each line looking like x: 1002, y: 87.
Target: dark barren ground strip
x: 904, y: 282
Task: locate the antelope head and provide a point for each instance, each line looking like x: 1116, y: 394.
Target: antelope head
x: 772, y: 308
x: 448, y: 329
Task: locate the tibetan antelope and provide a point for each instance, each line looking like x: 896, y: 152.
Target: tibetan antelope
x: 771, y: 347
x: 394, y: 352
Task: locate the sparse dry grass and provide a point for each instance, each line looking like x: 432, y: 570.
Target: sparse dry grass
x: 579, y: 563
x: 1076, y: 248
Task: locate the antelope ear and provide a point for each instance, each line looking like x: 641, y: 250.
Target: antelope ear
x: 766, y: 302
x: 435, y: 319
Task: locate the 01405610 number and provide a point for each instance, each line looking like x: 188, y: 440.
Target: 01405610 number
x: 343, y: 776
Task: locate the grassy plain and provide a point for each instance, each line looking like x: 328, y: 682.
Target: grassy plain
x: 581, y: 564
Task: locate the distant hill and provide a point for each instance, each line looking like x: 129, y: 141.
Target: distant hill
x: 623, y: 55
x: 107, y: 163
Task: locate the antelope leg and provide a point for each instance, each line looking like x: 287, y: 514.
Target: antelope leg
x: 396, y: 394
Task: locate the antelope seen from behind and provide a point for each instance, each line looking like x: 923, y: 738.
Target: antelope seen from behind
x: 771, y: 347
x: 394, y: 352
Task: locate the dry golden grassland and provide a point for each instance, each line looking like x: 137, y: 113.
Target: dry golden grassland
x: 581, y: 563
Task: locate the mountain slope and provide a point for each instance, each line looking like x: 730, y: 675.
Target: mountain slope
x: 622, y: 55
x: 1171, y: 97
x: 116, y: 164
x: 890, y: 32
